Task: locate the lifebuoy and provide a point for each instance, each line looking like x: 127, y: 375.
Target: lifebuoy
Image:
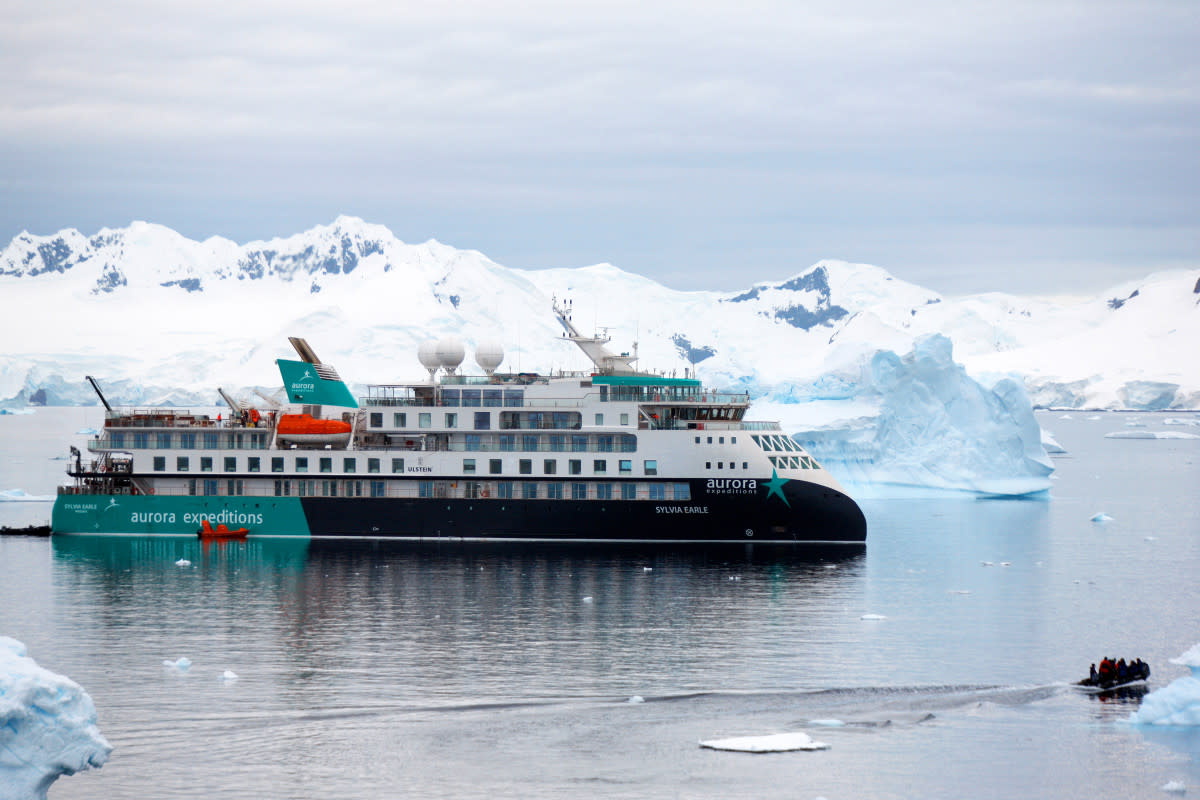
x: 485, y: 493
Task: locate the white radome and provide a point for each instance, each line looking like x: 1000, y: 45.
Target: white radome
x: 489, y: 355
x: 450, y: 353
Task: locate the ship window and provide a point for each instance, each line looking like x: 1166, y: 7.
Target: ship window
x: 377, y: 489
x: 575, y: 466
x: 529, y: 490
x: 579, y: 444
x: 304, y: 488
x: 376, y: 419
x: 210, y: 441
x: 564, y: 419
x: 599, y: 419
x: 181, y: 463
x: 141, y: 441
x: 425, y: 488
x: 599, y: 466
x: 504, y: 490
x: 658, y: 491
x: 470, y: 397
x: 628, y: 443
x: 733, y: 440
x: 425, y: 419
x: 329, y: 488
x: 210, y: 488
x: 397, y: 465
x: 720, y: 465
x: 529, y: 443
x: 493, y: 398
x: 697, y: 440
x: 163, y: 441
x: 604, y: 491
x: 372, y: 465
x: 651, y: 467
x: 549, y: 466
x: 474, y: 442
x: 483, y: 420
x: 326, y: 465
x: 468, y: 466
x: 508, y: 442
x: 399, y: 420
x: 708, y: 465
x: 554, y: 491
x: 624, y: 419
x: 451, y: 420
x: 302, y: 465
x: 558, y: 443
x: 117, y: 438
x: 628, y: 491
x: 450, y: 397
x: 514, y: 398
x: 682, y: 491
x: 230, y: 464
x: 276, y: 464
x: 626, y: 467
x: 349, y: 465
x: 233, y: 488
x: 720, y: 440
x: 160, y: 463
x: 604, y: 444
x: 494, y: 466
x: 710, y: 440
x: 745, y: 465
x: 525, y: 466
x: 579, y: 491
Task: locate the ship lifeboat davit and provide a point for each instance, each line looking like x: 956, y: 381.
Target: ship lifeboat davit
x: 307, y: 429
x: 222, y: 531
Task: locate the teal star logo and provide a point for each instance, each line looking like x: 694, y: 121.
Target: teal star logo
x: 775, y: 486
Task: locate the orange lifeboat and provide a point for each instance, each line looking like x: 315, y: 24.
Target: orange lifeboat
x: 222, y: 531
x: 307, y: 429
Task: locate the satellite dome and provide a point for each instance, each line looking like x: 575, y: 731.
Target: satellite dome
x: 450, y: 353
x: 428, y: 356
x: 488, y: 355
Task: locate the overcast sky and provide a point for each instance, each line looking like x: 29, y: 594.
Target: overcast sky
x: 1019, y: 146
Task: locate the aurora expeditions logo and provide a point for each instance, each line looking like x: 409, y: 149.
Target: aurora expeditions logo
x: 748, y: 486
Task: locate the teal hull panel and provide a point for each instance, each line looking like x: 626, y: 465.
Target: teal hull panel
x: 176, y: 516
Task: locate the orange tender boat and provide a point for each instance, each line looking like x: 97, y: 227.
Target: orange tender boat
x: 307, y: 429
x: 222, y: 531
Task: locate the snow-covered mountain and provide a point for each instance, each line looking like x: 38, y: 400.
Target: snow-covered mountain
x: 885, y: 381
x: 157, y: 316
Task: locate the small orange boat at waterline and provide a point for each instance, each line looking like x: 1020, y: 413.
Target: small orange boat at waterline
x: 222, y: 531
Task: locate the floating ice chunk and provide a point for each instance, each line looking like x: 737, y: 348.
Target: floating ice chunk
x: 647, y: 569
x: 987, y: 563
x: 1150, y: 538
x: 47, y: 726
x: 1065, y: 416
x: 1174, y: 787
x: 1100, y: 516
x: 774, y: 743
x: 229, y: 676
x: 20, y: 496
x: 637, y: 698
x: 960, y: 591
x: 1094, y: 417
x: 1177, y: 703
x: 587, y: 599
x: 827, y: 723
x: 183, y: 562
x: 182, y: 664
x: 1006, y: 563
x: 872, y: 616
x: 87, y: 432
x: 1150, y: 435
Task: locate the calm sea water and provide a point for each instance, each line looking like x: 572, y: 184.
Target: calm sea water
x: 376, y: 670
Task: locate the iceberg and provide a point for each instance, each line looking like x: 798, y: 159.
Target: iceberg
x: 1177, y: 703
x: 47, y: 726
x: 773, y: 743
x: 920, y: 421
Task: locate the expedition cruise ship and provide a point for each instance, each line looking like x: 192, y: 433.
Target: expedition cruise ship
x: 610, y: 455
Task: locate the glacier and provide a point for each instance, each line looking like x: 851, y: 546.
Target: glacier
x: 1177, y: 703
x: 48, y: 726
x: 892, y: 422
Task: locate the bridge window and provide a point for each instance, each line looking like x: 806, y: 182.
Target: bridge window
x: 650, y: 466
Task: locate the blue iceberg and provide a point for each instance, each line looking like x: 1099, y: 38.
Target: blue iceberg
x: 47, y: 726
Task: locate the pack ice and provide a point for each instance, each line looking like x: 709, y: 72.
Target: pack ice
x: 47, y: 726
